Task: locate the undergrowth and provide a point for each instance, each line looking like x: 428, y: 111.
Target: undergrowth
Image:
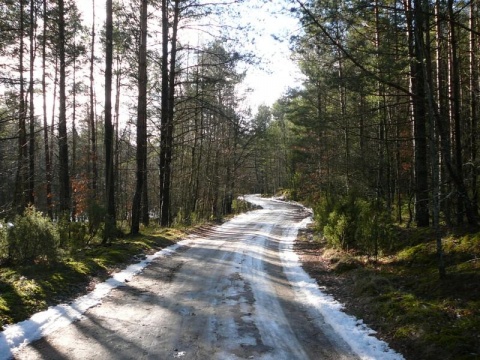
x: 28, y: 288
x: 45, y: 262
x: 402, y: 297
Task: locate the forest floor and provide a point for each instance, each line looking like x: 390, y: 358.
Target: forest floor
x: 28, y: 289
x: 401, y: 297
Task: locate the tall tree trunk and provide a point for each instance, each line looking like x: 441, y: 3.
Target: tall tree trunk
x: 109, y: 181
x: 455, y: 99
x: 65, y: 193
x: 20, y: 185
x: 168, y: 150
x: 48, y: 163
x: 91, y: 115
x: 142, y: 113
x: 442, y: 128
x: 433, y: 135
x: 436, y: 195
x: 474, y: 90
x: 383, y: 175
x: 345, y: 122
x: 141, y: 121
x: 118, y: 86
x: 73, y: 168
x: 416, y: 24
x: 145, y: 208
x: 197, y: 149
x: 442, y: 106
x: 164, y: 198
x: 31, y: 146
x: 54, y: 106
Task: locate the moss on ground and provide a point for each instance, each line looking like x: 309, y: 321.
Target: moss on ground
x: 25, y: 290
x: 402, y: 297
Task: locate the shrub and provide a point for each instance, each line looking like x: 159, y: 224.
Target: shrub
x: 336, y: 229
x: 33, y: 237
x: 374, y: 229
x: 75, y: 235
x: 63, y: 228
x: 3, y: 242
x: 353, y: 223
x: 240, y: 206
x: 96, y: 218
x: 322, y: 212
x: 341, y: 226
x: 78, y: 238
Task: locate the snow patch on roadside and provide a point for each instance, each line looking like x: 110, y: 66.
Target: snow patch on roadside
x: 353, y: 331
x: 15, y: 336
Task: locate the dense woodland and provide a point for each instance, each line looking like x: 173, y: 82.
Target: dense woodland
x: 123, y: 117
x: 127, y: 122
x: 388, y: 117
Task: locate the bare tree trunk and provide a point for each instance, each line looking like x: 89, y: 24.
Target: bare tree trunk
x: 416, y: 28
x: 65, y: 194
x: 167, y: 178
x: 197, y: 150
x: 118, y: 87
x: 142, y: 114
x: 48, y: 163
x: 435, y: 166
x: 442, y: 107
x: 455, y: 99
x: 345, y: 123
x: 141, y: 122
x: 193, y: 181
x: 52, y: 120
x: 31, y: 146
x: 164, y: 204
x: 91, y: 115
x: 20, y: 185
x: 73, y: 168
x: 109, y: 180
x: 474, y: 90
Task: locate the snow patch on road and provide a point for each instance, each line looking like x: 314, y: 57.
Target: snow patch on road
x: 15, y: 336
x: 322, y: 306
x: 353, y: 331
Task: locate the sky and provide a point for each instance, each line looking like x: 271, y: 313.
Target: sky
x: 271, y: 29
x: 307, y: 292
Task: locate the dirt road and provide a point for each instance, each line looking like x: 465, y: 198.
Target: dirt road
x: 222, y: 296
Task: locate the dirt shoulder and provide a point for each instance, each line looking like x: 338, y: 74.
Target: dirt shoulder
x: 342, y: 287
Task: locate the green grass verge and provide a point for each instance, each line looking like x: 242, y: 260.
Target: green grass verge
x: 25, y: 290
x: 402, y: 296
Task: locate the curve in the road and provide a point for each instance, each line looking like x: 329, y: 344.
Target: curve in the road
x: 234, y: 294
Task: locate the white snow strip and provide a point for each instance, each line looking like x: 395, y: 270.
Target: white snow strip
x: 356, y: 334
x: 15, y: 336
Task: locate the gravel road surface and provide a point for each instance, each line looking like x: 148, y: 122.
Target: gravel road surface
x: 223, y: 295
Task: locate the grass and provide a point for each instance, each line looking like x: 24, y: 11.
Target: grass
x: 402, y: 297
x: 25, y: 290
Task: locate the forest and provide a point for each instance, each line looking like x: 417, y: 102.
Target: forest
x: 386, y: 124
x: 123, y: 122
x: 120, y: 123
x: 112, y: 127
